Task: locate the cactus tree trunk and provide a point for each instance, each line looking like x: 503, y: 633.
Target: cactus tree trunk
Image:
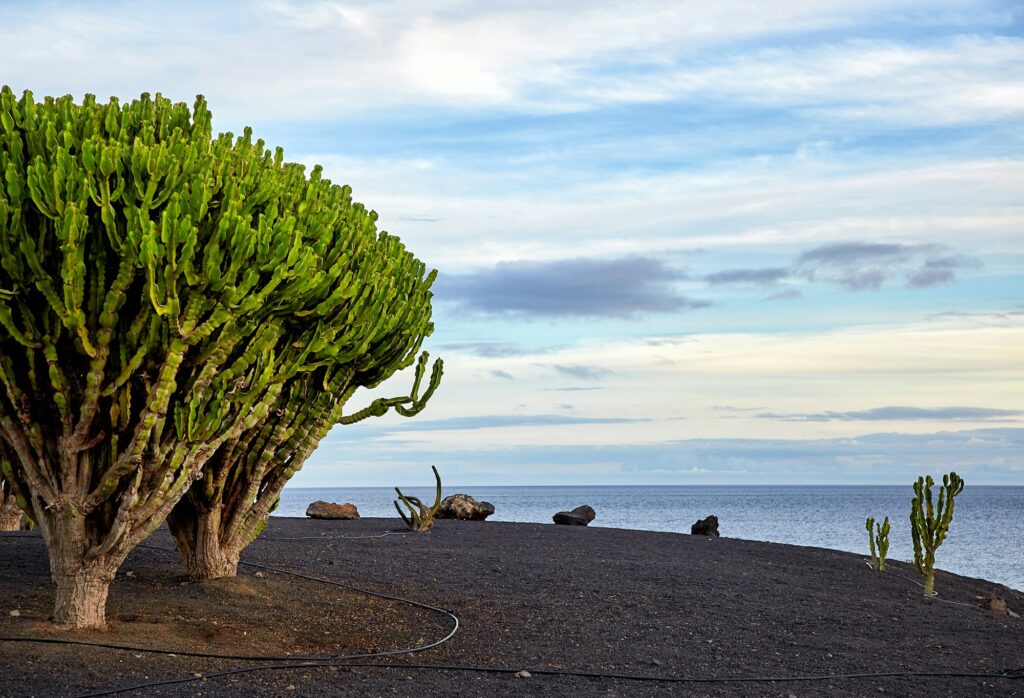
x: 82, y: 581
x: 205, y: 552
x: 10, y: 514
x: 929, y: 584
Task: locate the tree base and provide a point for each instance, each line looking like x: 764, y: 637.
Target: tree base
x: 10, y: 518
x: 82, y: 599
x: 212, y: 565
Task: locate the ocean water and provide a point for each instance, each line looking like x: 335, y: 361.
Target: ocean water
x: 986, y: 538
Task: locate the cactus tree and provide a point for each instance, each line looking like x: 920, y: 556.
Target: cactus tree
x: 159, y: 286
x: 878, y: 541
x: 930, y: 524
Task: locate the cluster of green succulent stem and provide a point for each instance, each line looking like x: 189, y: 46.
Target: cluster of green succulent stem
x: 929, y: 524
x: 878, y: 540
x: 170, y: 297
x: 420, y: 517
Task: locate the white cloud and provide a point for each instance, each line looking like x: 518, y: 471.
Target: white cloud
x: 300, y: 60
x: 784, y: 203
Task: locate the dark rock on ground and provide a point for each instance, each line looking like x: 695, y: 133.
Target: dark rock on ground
x: 330, y: 510
x: 464, y: 508
x: 580, y: 516
x: 705, y: 527
x: 994, y: 604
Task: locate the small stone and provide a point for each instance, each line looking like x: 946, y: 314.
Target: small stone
x: 15, y: 613
x: 129, y: 574
x: 829, y: 655
x: 259, y: 575
x: 197, y: 674
x: 290, y: 687
x: 523, y: 674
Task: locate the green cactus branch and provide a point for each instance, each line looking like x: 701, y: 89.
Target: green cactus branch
x: 407, y: 405
x: 878, y: 541
x: 160, y: 286
x: 929, y: 524
x: 420, y: 517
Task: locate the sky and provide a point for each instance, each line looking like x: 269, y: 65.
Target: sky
x: 680, y: 242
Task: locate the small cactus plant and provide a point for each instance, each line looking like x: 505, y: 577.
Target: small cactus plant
x: 930, y: 524
x: 878, y: 539
x: 420, y: 517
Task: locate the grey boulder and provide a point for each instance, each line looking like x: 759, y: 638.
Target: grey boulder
x: 464, y: 508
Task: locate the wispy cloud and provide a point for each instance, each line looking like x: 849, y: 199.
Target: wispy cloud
x: 305, y: 59
x: 582, y: 372
x: 756, y: 277
x: 789, y: 294
x: 858, y: 266
x: 623, y: 288
x: 903, y: 414
x: 491, y: 349
x: 496, y: 422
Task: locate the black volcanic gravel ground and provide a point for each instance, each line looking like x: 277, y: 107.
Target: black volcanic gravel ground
x: 528, y: 596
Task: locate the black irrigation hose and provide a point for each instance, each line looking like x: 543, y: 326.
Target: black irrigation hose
x: 346, y: 660
x: 1011, y: 674
x: 379, y: 535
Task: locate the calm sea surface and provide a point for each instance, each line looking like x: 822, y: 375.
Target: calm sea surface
x: 986, y: 538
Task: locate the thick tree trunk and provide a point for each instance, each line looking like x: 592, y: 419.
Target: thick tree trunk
x: 82, y: 596
x: 10, y: 515
x: 83, y: 581
x: 197, y: 533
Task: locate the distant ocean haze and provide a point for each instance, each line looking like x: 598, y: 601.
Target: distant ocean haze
x: 986, y: 538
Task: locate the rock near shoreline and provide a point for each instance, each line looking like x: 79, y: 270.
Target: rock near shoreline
x: 580, y: 516
x: 330, y: 510
x: 705, y: 527
x: 464, y: 508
